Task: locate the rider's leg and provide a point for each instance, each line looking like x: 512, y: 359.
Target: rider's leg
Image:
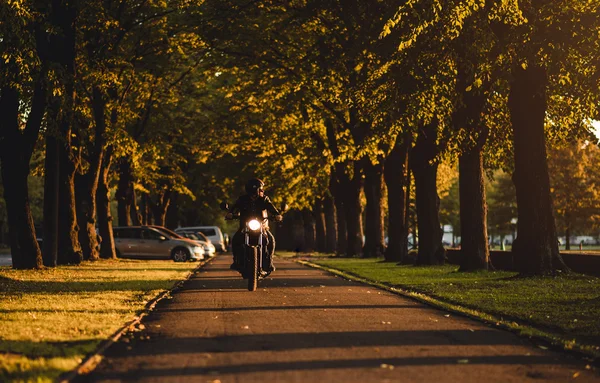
x: 270, y: 251
x: 237, y: 248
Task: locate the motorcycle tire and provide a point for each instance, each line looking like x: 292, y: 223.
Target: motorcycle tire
x: 253, y: 270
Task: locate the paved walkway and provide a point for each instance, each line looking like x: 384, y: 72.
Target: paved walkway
x: 304, y: 325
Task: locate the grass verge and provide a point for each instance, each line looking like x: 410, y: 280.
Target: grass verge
x: 51, y: 319
x: 562, y: 310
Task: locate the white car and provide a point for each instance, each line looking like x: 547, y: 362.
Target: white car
x: 211, y: 232
x: 198, y: 237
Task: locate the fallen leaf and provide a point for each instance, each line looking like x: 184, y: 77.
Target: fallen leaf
x: 576, y: 374
x: 246, y: 327
x: 462, y: 361
x: 447, y: 315
x: 543, y: 347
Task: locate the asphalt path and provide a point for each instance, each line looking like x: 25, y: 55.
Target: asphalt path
x: 304, y: 325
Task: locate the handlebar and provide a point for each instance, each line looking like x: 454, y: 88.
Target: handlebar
x: 237, y: 216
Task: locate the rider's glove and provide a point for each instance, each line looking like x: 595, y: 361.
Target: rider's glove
x: 278, y: 218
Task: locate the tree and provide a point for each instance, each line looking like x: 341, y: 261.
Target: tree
x: 502, y: 203
x: 574, y: 179
x: 23, y: 92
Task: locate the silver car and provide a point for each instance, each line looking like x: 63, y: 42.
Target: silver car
x: 148, y: 242
x: 199, y: 238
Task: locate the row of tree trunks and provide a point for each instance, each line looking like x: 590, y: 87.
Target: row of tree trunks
x: 397, y: 179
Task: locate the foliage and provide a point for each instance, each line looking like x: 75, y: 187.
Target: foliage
x: 502, y: 204
x: 575, y: 179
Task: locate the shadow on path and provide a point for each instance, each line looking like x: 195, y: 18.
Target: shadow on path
x: 313, y: 365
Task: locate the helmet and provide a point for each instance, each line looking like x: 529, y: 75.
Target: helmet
x: 254, y: 185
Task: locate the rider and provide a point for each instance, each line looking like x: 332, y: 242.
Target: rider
x: 253, y: 203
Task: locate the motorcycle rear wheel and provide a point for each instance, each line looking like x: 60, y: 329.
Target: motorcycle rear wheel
x: 253, y: 270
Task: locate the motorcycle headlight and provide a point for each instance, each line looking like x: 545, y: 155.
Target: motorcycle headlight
x: 254, y: 225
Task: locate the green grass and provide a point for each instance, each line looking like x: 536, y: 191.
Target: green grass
x: 51, y: 319
x: 564, y: 308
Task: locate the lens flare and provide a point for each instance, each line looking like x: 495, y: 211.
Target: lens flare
x: 254, y: 225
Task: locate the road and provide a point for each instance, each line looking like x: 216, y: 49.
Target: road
x: 5, y: 260
x: 304, y: 325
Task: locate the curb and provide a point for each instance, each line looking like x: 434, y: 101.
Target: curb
x: 544, y: 340
x: 92, y: 360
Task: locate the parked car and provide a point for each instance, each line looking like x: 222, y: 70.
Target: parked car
x: 199, y: 238
x: 209, y: 248
x: 211, y: 232
x: 151, y: 243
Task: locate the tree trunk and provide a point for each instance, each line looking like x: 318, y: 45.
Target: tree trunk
x: 395, y: 172
x: 16, y: 148
x: 87, y: 184
x: 124, y: 192
x: 338, y: 199
x: 86, y: 189
x: 475, y: 253
x: 374, y: 232
x: 159, y: 208
x: 172, y: 221
x: 136, y: 216
x: 330, y: 224
x: 69, y: 249
x: 146, y: 214
x: 353, y: 208
x: 51, y: 182
x: 320, y: 232
x: 431, y: 250
x: 466, y: 121
x: 536, y: 248
x: 107, y: 248
x: 568, y: 238
x: 309, y: 231
x: 25, y: 250
x: 298, y: 236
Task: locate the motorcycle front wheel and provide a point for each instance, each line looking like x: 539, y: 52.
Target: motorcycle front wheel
x: 253, y: 270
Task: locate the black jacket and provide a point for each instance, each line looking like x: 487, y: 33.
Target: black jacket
x: 259, y: 207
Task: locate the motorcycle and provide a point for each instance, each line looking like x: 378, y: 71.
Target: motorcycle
x: 255, y: 247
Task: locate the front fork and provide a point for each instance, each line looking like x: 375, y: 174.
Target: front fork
x: 252, y: 241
